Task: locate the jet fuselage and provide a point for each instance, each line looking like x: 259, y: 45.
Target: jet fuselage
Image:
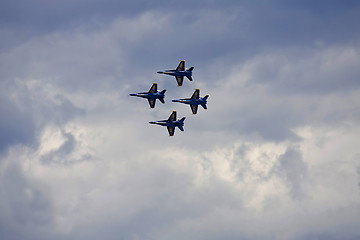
x: 176, y: 73
x: 191, y: 101
x: 171, y: 124
x: 158, y: 94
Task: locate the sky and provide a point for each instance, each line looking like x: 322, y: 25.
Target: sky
x: 275, y: 156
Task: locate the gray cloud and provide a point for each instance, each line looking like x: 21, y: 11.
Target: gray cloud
x: 26, y: 208
x: 292, y: 167
x: 26, y: 107
x: 178, y: 192
x: 327, y: 70
x: 272, y: 157
x: 15, y: 125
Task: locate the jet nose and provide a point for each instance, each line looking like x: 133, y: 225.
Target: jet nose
x: 160, y: 72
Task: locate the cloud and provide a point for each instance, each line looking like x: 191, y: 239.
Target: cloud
x: 298, y: 91
x: 25, y: 205
x: 327, y: 70
x: 274, y: 156
x: 15, y: 125
x: 179, y: 192
x: 292, y: 167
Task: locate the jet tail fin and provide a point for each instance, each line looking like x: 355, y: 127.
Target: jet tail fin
x: 163, y: 91
x: 189, y: 75
x: 181, y: 126
x: 162, y: 100
x: 204, y: 103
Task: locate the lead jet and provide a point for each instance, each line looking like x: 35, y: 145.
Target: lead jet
x: 194, y: 101
x: 171, y: 123
x: 180, y: 72
x: 151, y: 95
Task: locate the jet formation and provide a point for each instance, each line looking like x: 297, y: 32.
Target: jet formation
x: 194, y: 101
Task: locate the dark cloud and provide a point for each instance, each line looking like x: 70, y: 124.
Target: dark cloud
x: 238, y: 29
x: 16, y: 127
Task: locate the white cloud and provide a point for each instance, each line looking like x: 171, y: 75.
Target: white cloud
x: 226, y: 188
x: 270, y: 158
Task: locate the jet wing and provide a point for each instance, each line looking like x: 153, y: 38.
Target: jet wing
x: 151, y: 102
x: 196, y: 94
x: 179, y: 80
x: 171, y: 130
x: 194, y: 108
x: 181, y: 66
x: 153, y: 88
x: 172, y: 116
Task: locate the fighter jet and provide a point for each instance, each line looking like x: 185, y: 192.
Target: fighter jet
x: 180, y: 72
x: 194, y: 101
x: 151, y: 95
x: 171, y: 123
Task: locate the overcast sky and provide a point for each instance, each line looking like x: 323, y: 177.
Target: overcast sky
x: 275, y: 156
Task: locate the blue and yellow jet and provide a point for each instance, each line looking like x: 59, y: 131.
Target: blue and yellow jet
x: 151, y: 95
x: 194, y: 101
x: 180, y: 72
x: 171, y: 123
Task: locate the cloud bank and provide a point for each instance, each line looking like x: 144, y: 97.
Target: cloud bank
x: 275, y: 156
